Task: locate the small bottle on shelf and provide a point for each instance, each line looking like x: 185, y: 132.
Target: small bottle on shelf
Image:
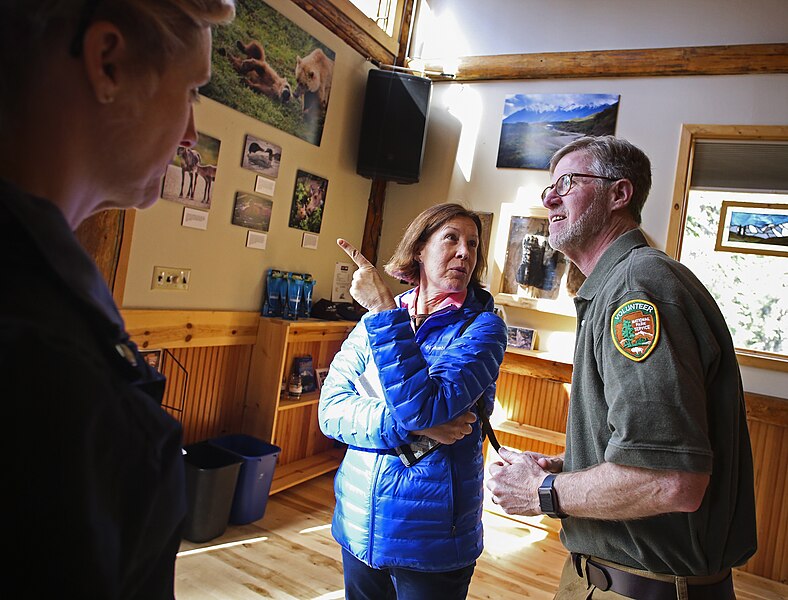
x: 294, y: 386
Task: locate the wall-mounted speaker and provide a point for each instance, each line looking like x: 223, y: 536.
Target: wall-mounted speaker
x: 393, y: 126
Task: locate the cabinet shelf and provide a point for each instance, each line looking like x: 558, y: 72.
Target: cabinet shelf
x: 305, y: 400
x: 532, y: 432
x: 293, y: 473
x: 291, y: 423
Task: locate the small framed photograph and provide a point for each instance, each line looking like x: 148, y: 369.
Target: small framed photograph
x: 252, y: 211
x: 321, y: 377
x: 520, y: 337
x: 261, y: 156
x: 309, y: 202
x: 153, y: 358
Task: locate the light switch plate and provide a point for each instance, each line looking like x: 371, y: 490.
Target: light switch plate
x: 170, y: 278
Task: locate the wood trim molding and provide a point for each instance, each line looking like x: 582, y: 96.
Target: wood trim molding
x: 122, y: 268
x: 354, y: 35
x: 190, y: 328
x: 767, y: 409
x: 641, y: 62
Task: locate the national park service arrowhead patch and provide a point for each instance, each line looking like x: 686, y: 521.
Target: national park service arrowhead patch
x: 635, y: 329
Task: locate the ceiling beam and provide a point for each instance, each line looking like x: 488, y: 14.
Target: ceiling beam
x: 646, y: 62
x: 336, y: 21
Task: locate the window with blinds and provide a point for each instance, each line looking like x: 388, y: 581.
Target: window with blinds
x: 740, y: 166
x: 735, y: 237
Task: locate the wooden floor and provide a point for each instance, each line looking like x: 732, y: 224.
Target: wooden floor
x: 290, y: 554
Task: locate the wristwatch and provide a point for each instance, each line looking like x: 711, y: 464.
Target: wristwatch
x: 548, y: 499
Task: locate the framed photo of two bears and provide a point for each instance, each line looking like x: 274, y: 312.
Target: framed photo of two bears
x: 267, y: 67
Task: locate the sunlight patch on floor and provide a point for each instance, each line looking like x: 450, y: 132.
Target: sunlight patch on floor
x: 316, y: 528
x: 332, y: 595
x: 221, y: 546
x: 503, y: 536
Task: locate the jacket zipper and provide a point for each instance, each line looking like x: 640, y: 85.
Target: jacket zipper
x: 373, y: 485
x: 450, y: 460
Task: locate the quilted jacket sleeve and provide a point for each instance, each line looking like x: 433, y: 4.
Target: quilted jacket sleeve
x: 422, y: 394
x: 345, y: 412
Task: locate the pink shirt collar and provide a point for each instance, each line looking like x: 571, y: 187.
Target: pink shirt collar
x: 453, y: 301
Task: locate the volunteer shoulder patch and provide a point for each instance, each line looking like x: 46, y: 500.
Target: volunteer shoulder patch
x: 635, y: 329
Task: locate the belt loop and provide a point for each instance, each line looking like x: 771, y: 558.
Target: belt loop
x: 577, y: 564
x: 681, y: 588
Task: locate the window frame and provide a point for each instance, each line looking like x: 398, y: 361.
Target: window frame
x: 690, y: 135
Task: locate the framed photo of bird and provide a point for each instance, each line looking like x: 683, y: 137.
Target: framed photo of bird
x: 261, y: 156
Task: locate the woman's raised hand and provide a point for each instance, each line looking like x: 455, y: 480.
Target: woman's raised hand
x: 367, y: 287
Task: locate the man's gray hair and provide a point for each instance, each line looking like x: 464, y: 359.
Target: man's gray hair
x: 617, y: 158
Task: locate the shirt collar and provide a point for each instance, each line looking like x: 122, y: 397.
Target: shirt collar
x: 610, y: 258
x: 455, y: 301
x: 50, y: 233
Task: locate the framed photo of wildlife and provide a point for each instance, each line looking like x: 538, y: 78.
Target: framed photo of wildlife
x: 261, y: 156
x: 267, y: 67
x: 535, y: 275
x: 309, y: 201
x: 252, y: 211
x: 190, y: 175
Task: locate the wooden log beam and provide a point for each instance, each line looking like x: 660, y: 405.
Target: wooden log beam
x: 374, y: 223
x: 404, y: 33
x: 345, y: 28
x: 645, y: 62
x: 190, y: 328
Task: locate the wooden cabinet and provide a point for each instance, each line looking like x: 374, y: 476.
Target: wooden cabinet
x: 292, y: 424
x: 533, y: 398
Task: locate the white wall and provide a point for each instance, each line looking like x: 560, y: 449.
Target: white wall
x: 225, y: 275
x: 472, y: 28
x: 465, y: 119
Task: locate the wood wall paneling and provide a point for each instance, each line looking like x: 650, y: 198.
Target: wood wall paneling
x: 213, y: 390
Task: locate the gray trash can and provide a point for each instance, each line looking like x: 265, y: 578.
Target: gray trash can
x: 211, y: 475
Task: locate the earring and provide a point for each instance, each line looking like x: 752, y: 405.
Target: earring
x: 107, y: 98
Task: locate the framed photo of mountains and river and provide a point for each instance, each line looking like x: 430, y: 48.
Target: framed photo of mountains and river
x: 534, y: 126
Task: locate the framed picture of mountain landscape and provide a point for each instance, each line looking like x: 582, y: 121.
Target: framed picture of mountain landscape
x: 753, y: 227
x: 534, y: 126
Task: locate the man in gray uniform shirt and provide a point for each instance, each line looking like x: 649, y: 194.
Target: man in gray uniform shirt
x: 656, y: 485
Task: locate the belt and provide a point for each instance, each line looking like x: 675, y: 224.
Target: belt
x: 607, y: 577
x: 374, y: 450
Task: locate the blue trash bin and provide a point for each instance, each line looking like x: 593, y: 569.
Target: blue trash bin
x: 211, y: 477
x: 254, y: 478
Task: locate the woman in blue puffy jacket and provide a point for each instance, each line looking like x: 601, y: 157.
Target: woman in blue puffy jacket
x: 412, y: 371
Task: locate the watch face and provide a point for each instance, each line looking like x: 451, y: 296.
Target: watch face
x: 546, y: 500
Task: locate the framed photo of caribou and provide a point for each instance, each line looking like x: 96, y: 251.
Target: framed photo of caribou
x: 190, y: 175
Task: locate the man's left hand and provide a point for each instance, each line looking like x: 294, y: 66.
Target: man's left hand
x: 514, y: 482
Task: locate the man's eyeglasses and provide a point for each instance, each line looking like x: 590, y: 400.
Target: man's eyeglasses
x: 564, y: 183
